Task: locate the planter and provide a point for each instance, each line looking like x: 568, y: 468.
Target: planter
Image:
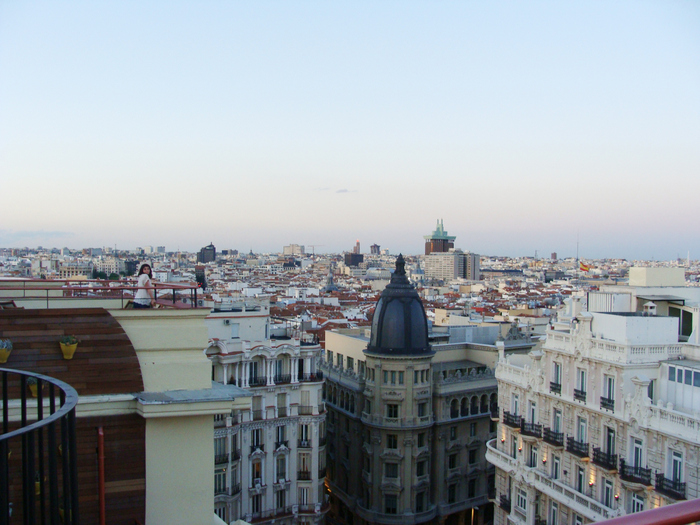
x: 68, y: 350
x: 5, y: 354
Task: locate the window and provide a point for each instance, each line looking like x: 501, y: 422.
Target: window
x: 533, y: 412
x: 392, y: 410
x: 421, y: 439
x: 581, y: 379
x: 637, y: 453
x: 556, y: 373
x: 392, y: 441
x: 688, y: 377
x: 393, y: 377
x: 453, y: 432
x: 581, y: 430
x: 554, y: 513
x: 386, y: 377
x: 255, y: 503
x: 220, y: 481
x: 281, y: 468
x: 556, y: 421
x: 420, y: 502
x: 330, y: 356
x: 420, y: 468
x: 303, y: 495
x: 415, y: 377
x: 281, y: 499
x: 422, y: 409
x: 671, y: 373
x: 390, y: 504
x: 452, y: 461
x: 516, y: 404
x: 351, y: 363
x: 256, y: 437
x: 580, y: 475
x: 637, y: 504
x: 608, y: 493
x: 521, y: 500
x: 281, y: 433
x: 578, y: 520
x: 472, y: 430
x: 676, y: 467
x: 556, y: 467
x: 471, y: 488
x: 452, y: 493
x: 401, y: 378
x: 391, y: 470
x: 609, y: 387
x: 472, y: 456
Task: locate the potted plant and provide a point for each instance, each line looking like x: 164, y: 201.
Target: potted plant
x: 68, y: 345
x: 33, y: 385
x: 5, y: 350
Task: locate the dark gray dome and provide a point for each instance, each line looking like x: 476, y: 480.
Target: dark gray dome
x: 399, y: 325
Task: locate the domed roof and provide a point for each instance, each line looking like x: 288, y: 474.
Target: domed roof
x: 399, y: 325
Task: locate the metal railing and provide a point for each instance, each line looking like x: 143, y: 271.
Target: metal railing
x: 669, y: 487
x: 579, y: 395
x: 304, y: 475
x: 552, y: 437
x: 66, y: 290
x: 282, y: 412
x: 578, y: 448
x: 304, y: 443
x: 44, y: 447
x: 257, y: 381
x: 635, y: 474
x: 531, y: 429
x: 260, y: 447
x: 511, y: 420
x: 555, y: 388
x: 604, y: 459
x: 607, y: 403
x: 282, y: 378
x: 305, y: 410
x: 504, y: 503
x: 220, y: 458
x: 313, y: 377
x: 258, y: 415
x: 279, y: 444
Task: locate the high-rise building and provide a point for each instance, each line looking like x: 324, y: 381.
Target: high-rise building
x: 356, y: 248
x: 207, y: 254
x: 375, y: 249
x: 439, y: 241
x: 293, y: 249
x: 454, y: 264
x: 271, y: 457
x: 407, y: 421
x: 603, y: 421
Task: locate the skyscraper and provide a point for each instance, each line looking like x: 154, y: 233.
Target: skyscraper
x: 439, y: 241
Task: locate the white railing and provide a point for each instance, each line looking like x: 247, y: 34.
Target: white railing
x: 669, y: 421
x: 512, y: 374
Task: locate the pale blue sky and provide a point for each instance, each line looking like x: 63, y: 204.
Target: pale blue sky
x: 259, y: 124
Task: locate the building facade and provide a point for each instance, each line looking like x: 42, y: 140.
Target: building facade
x: 407, y: 420
x: 439, y: 241
x: 603, y: 421
x: 454, y: 264
x: 270, y: 459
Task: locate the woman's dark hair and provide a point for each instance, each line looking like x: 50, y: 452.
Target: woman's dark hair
x: 143, y: 269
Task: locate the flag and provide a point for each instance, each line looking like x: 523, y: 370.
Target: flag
x: 583, y: 267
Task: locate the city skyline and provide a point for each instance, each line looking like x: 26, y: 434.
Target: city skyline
x: 253, y: 125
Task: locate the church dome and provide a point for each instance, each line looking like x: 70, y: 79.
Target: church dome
x: 399, y: 325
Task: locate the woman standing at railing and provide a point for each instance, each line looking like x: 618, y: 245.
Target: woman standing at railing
x: 144, y: 297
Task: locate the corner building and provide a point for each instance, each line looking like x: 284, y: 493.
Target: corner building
x: 405, y: 438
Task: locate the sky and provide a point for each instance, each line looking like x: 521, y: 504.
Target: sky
x: 525, y: 126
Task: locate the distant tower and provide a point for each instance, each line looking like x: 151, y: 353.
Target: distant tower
x: 554, y: 256
x: 375, y: 249
x: 207, y: 254
x: 356, y: 249
x: 439, y: 241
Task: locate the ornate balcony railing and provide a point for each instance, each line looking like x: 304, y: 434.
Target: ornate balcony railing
x: 607, y: 403
x: 235, y: 489
x: 258, y: 415
x: 552, y: 437
x: 236, y: 454
x: 540, y: 521
x: 604, y: 459
x: 312, y: 378
x: 305, y: 410
x: 531, y: 429
x: 39, y: 480
x: 511, y: 420
x: 668, y: 487
x: 220, y: 458
x: 279, y: 444
x: 282, y: 378
x: 578, y: 448
x: 260, y: 447
x: 257, y: 381
x: 555, y: 388
x: 304, y: 443
x: 579, y: 395
x: 304, y: 475
x: 634, y: 474
x: 282, y: 411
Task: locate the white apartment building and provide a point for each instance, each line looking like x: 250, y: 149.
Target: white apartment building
x: 605, y: 420
x: 270, y: 459
x: 455, y: 264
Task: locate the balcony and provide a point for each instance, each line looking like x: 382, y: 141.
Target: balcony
x: 236, y: 454
x: 579, y: 395
x: 322, y: 473
x: 282, y: 411
x: 607, y: 403
x: 254, y: 448
x: 495, y: 416
x: 235, y: 489
x: 312, y: 378
x: 281, y: 379
x: 322, y: 442
x: 280, y: 444
x: 555, y: 388
x: 668, y: 487
x: 304, y: 443
x: 258, y: 415
x: 304, y: 475
x: 257, y: 381
x: 604, y: 459
x: 511, y: 420
x: 504, y: 503
x: 634, y: 474
x: 48, y: 477
x: 577, y: 448
x: 540, y: 521
x: 220, y: 459
x: 305, y: 410
x: 553, y: 438
x: 531, y: 429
